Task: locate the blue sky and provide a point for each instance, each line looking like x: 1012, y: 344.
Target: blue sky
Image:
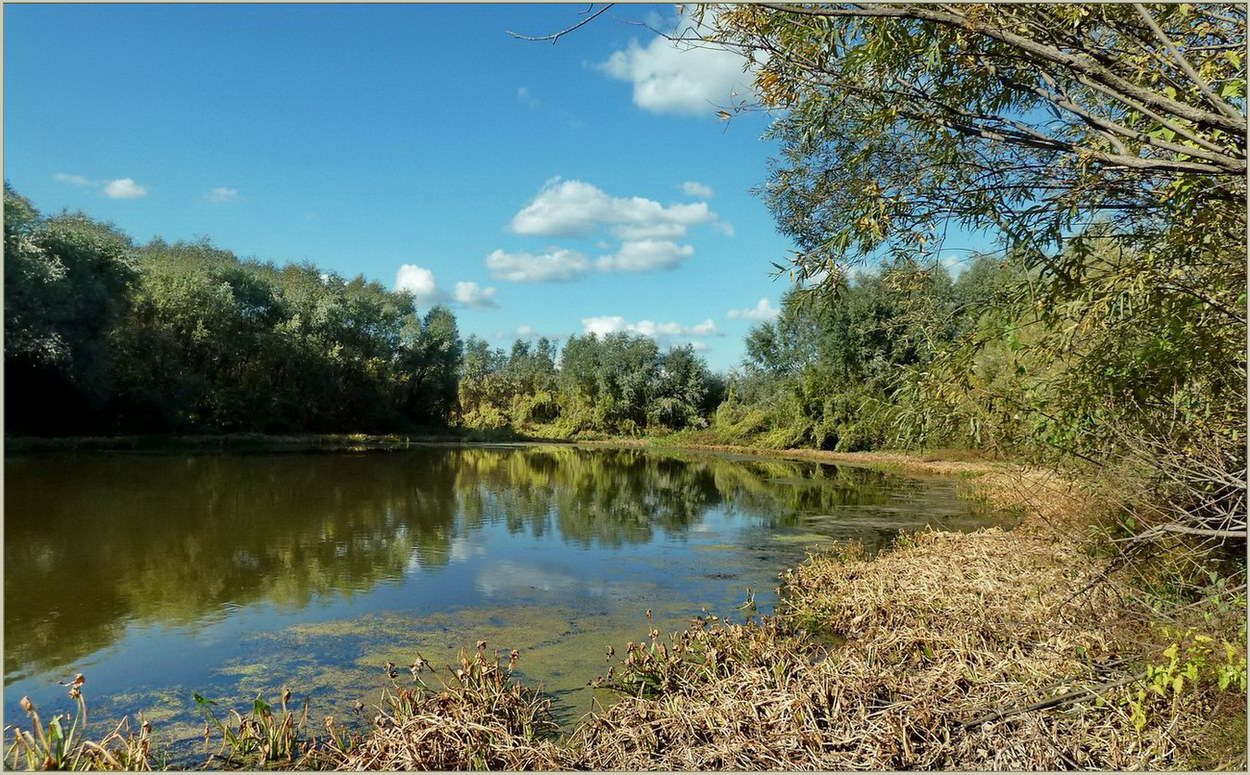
x: 538, y: 188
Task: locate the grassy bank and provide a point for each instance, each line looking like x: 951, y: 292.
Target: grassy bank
x: 1035, y: 648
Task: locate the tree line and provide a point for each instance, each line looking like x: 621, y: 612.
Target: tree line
x: 103, y: 336
x: 618, y: 384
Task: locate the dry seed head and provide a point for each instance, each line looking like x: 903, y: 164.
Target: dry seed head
x: 27, y: 705
x: 481, y: 645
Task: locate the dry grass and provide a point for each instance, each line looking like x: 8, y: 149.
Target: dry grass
x: 927, y: 656
x: 940, y: 632
x: 1006, y: 650
x: 480, y: 720
x: 62, y: 743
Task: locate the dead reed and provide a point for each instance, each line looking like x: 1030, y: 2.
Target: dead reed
x: 479, y: 719
x: 62, y: 744
x: 1006, y: 650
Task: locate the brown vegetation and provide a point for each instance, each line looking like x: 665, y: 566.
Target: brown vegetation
x: 1034, y: 648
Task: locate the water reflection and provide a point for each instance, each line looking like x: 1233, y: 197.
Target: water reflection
x: 97, y: 542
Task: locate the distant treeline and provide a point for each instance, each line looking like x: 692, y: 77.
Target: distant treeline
x: 103, y: 336
x: 619, y: 384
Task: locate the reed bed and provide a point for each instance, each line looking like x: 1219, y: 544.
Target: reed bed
x: 1004, y: 650
x: 481, y: 719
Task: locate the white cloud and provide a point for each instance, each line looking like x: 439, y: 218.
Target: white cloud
x: 724, y: 227
x: 419, y: 281
x: 472, y: 295
x: 524, y: 96
x: 645, y: 256
x: 954, y: 264
x: 611, y: 324
x: 223, y: 194
x: 706, y: 328
x: 565, y: 208
x: 679, y: 77
x: 763, y: 310
x: 124, y: 188
x: 74, y: 180
x: 121, y: 188
x: 696, y: 189
x: 558, y: 265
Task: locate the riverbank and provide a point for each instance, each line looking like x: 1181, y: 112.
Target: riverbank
x: 994, y: 649
x: 988, y: 650
x: 262, y: 442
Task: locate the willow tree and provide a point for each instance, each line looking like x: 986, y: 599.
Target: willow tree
x: 1103, y: 145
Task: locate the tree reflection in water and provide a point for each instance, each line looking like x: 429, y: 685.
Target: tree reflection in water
x: 95, y: 542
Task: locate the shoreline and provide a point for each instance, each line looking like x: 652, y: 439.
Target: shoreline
x: 931, y: 654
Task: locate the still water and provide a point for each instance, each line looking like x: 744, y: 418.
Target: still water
x: 162, y: 575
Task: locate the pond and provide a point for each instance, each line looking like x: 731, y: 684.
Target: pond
x: 162, y: 575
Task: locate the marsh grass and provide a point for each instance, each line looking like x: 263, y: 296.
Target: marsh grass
x: 62, y: 744
x: 1005, y: 650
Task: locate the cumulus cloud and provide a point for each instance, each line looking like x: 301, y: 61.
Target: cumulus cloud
x: 645, y: 256
x: 724, y: 227
x: 678, y: 77
x: 223, y: 194
x: 418, y: 281
x: 121, y: 188
x: 763, y: 310
x: 557, y: 265
x: 470, y: 294
x: 568, y: 208
x: 124, y: 188
x: 696, y: 189
x: 611, y: 324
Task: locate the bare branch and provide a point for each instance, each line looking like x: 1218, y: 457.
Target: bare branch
x: 555, y: 36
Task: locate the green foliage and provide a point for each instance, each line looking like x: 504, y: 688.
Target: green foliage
x: 1103, y: 146
x: 838, y: 371
x: 66, y: 282
x: 1194, y: 662
x: 105, y: 337
x: 620, y: 384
